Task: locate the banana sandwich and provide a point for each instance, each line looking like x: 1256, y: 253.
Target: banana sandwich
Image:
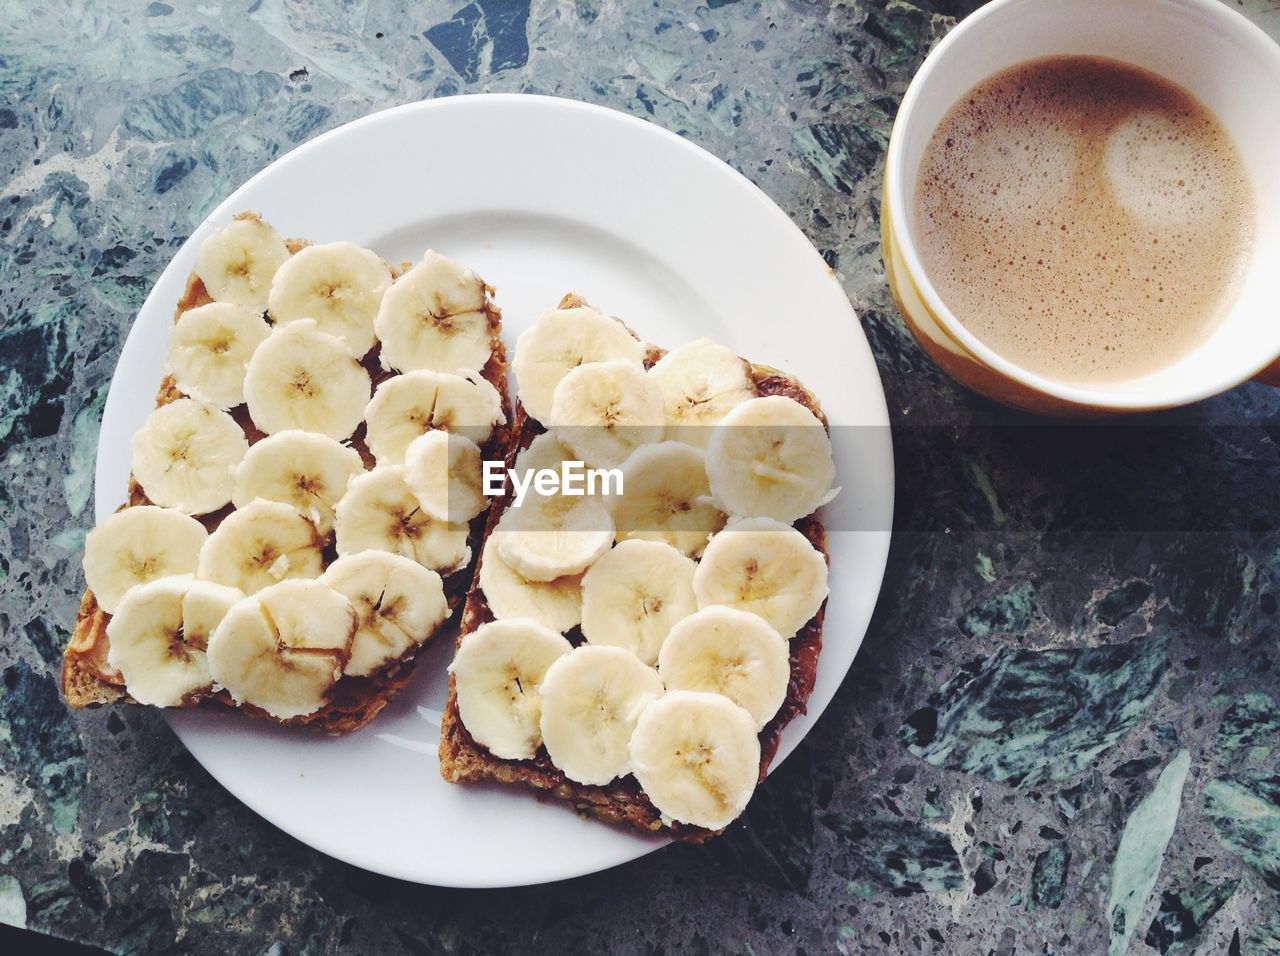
x: 637, y: 655
x: 304, y: 502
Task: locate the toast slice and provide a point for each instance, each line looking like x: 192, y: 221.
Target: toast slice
x: 463, y: 759
x: 88, y: 680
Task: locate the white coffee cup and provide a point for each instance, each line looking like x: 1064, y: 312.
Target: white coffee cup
x: 1229, y: 64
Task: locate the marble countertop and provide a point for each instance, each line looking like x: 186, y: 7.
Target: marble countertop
x: 1061, y: 735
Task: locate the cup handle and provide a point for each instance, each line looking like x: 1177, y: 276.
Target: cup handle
x: 1269, y: 375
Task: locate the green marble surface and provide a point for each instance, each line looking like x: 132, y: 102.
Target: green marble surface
x: 1061, y: 734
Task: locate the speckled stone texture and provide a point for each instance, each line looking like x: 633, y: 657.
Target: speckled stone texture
x: 1062, y: 734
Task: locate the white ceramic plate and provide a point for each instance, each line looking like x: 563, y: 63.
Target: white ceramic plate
x: 540, y: 196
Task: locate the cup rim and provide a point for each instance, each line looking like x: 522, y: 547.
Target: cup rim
x: 898, y: 204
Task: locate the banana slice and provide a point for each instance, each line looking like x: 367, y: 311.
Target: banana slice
x: 443, y: 472
x: 562, y: 340
x: 697, y: 757
x: 303, y: 378
x: 770, y: 457
x: 284, y: 648
x: 722, y: 650
x: 497, y: 675
x: 149, y: 648
x: 236, y: 264
x: 204, y: 605
x: 550, y: 536
x: 545, y: 453
x: 261, y: 544
x: 304, y: 469
x: 379, y: 512
x: 591, y: 700
x: 557, y: 604
x: 137, y: 545
x: 185, y: 456
x: 159, y: 634
x: 765, y: 567
x: 602, y: 412
x: 398, y: 603
x: 635, y: 594
x: 406, y: 406
x: 700, y: 382
x: 210, y: 349
x: 433, y: 317
x: 666, y: 498
x: 339, y: 284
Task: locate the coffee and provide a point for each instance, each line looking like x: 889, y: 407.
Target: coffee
x: 1086, y: 219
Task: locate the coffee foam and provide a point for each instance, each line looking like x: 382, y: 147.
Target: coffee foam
x: 1087, y: 220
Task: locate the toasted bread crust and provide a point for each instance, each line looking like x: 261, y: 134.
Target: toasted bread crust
x: 87, y: 679
x: 622, y: 801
